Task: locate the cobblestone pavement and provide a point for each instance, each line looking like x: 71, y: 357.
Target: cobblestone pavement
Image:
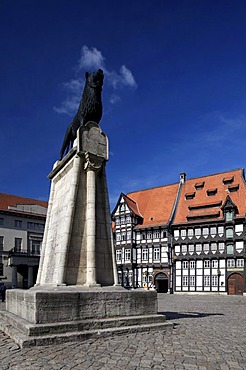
x: 210, y: 333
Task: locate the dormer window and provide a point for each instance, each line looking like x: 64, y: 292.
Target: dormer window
x: 211, y: 192
x: 228, y: 180
x: 190, y: 196
x: 199, y: 185
x: 228, y: 215
x: 233, y: 188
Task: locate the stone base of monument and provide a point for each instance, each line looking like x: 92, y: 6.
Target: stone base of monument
x: 48, y: 315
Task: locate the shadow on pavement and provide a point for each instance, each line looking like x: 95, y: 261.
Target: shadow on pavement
x: 186, y: 315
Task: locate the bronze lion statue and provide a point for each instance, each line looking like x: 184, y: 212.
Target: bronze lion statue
x: 90, y: 108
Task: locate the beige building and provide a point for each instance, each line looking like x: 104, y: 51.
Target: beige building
x: 22, y: 223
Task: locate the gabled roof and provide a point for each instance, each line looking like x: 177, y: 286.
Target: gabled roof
x: 188, y: 209
x: 132, y: 205
x: 8, y: 202
x: 155, y: 204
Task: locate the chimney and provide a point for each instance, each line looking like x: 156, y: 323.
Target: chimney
x: 182, y: 177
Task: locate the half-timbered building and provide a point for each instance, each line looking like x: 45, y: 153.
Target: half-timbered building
x: 209, y: 234
x: 142, y: 242
x: 184, y: 237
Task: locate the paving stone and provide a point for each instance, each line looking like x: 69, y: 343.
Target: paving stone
x: 209, y: 335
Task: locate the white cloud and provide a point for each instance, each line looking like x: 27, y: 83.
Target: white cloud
x: 75, y: 85
x: 68, y: 106
x: 92, y: 59
x: 127, y: 77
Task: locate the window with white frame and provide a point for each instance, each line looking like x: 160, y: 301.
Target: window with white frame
x: 239, y: 228
x: 240, y: 262
x: 145, y: 254
x: 123, y: 236
x: 191, y: 248
x: 149, y: 234
x: 221, y: 247
x: 206, y: 264
x: 183, y: 233
x: 190, y: 232
x: 122, y: 220
x: 185, y: 265
x: 143, y: 236
x: 230, y: 249
x: 129, y: 235
x: 206, y: 247
x: 127, y: 254
x: 213, y: 247
x: 156, y: 254
x: 214, y: 264
x: 176, y: 233
x: 118, y: 237
x: 198, y: 248
x: 128, y: 219
x: 118, y: 255
x: 117, y: 221
x: 156, y: 234
x: 198, y: 232
x: 184, y: 248
x: 220, y: 230
x: 214, y: 280
x: 185, y: 280
x: 213, y: 230
x: 230, y: 263
x: 205, y: 231
x: 229, y: 232
x: 192, y: 280
x: 192, y: 264
x: 206, y: 280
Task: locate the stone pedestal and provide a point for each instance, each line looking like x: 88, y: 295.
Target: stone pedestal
x: 76, y: 295
x: 77, y: 247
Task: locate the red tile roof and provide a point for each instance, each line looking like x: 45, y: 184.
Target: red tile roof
x: 132, y: 205
x: 156, y: 204
x: 186, y: 206
x: 8, y: 200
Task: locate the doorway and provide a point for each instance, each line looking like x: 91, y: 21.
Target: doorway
x: 161, y: 283
x: 235, y: 284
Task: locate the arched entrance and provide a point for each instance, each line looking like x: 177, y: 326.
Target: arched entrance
x: 235, y: 284
x: 161, y: 283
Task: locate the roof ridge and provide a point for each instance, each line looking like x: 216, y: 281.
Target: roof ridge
x: 214, y: 174
x: 154, y: 187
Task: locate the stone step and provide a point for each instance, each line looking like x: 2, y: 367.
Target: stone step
x: 49, y: 339
x: 78, y: 325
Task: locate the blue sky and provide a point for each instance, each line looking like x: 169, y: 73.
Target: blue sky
x: 174, y: 95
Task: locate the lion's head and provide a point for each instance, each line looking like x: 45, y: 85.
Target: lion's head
x: 95, y: 79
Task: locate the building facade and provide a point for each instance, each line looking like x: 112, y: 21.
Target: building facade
x: 22, y: 222
x: 185, y: 237
x: 142, y: 242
